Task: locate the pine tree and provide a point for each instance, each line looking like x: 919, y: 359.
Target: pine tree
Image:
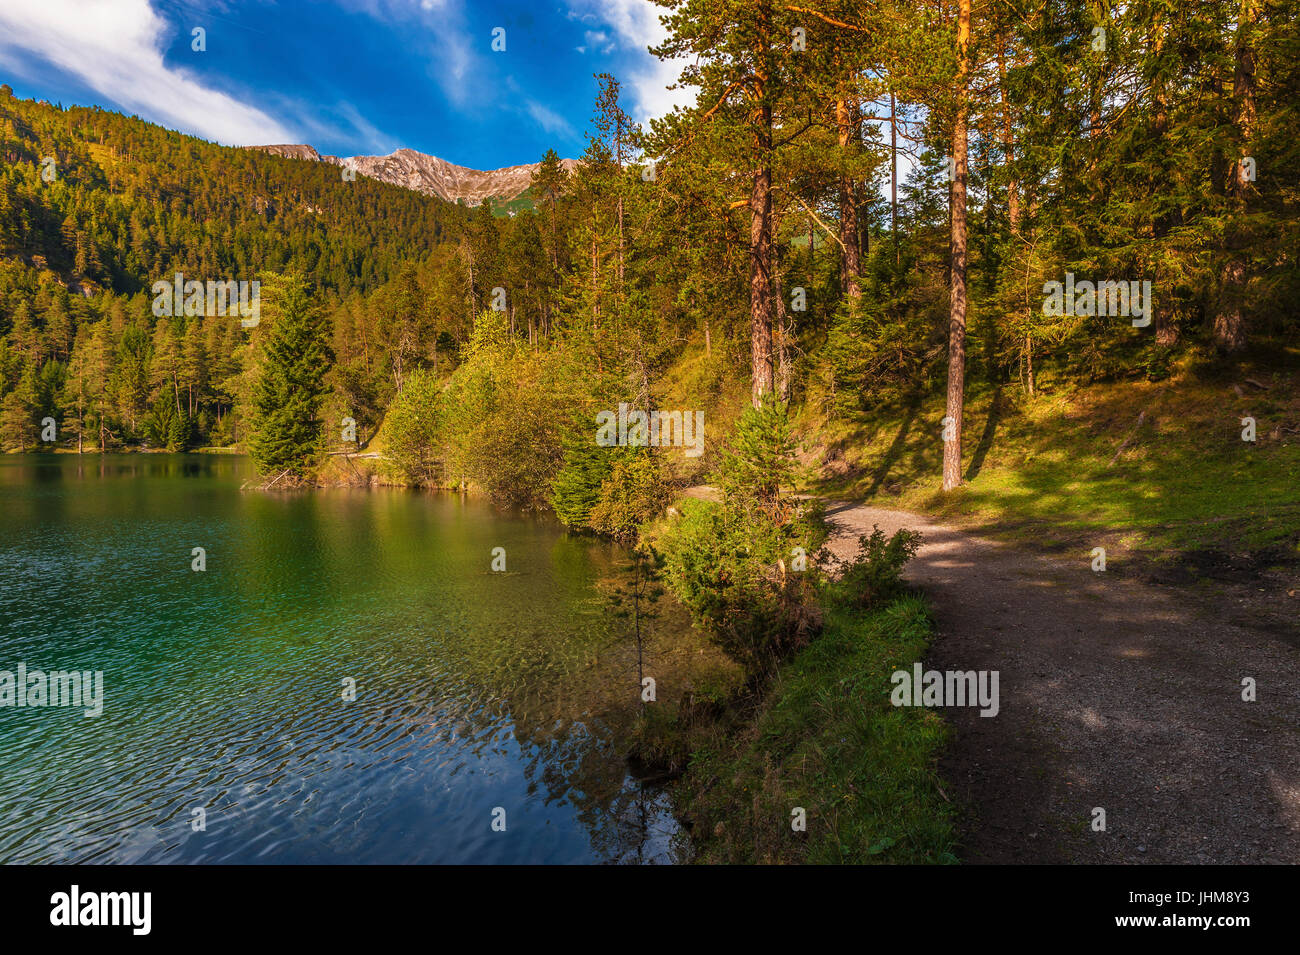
x: 194, y: 365
x: 550, y: 182
x: 958, y: 294
x: 760, y: 460
x: 287, y: 430
x: 576, y: 489
x: 742, y: 60
x: 180, y: 431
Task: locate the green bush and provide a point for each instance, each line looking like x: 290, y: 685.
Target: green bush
x: 609, y: 490
x: 745, y: 567
x: 875, y: 575
x: 165, y: 427
x: 180, y: 432
x: 634, y: 492
x: 576, y: 489
x: 500, y: 420
x: 736, y: 574
x: 759, y: 460
x: 411, y: 430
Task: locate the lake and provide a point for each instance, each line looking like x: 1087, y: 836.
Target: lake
x: 226, y: 735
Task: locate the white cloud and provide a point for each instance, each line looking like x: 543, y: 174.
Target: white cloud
x: 597, y: 41
x: 549, y: 120
x: 636, y: 27
x: 115, y: 47
x: 452, y: 59
x: 341, y: 123
x: 455, y: 56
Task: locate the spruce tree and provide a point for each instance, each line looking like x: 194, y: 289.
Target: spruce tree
x: 576, y: 489
x: 760, y: 460
x: 287, y: 430
x: 180, y: 431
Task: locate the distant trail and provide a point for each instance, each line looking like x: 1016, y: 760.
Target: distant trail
x: 1115, y: 694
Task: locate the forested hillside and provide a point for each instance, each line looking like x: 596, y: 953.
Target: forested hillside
x: 758, y: 242
x: 95, y: 207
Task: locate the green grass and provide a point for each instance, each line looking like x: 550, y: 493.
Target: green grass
x: 827, y: 739
x: 1039, y: 468
x: 526, y: 201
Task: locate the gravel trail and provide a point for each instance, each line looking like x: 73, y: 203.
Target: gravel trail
x: 1114, y: 693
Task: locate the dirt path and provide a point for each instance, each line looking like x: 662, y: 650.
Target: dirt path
x: 1115, y: 694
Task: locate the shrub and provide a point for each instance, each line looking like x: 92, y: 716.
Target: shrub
x: 180, y: 432
x: 160, y: 423
x: 633, y: 493
x: 609, y: 490
x: 759, y: 460
x: 875, y: 575
x: 744, y: 567
x: 730, y: 570
x: 499, y: 418
x: 411, y: 430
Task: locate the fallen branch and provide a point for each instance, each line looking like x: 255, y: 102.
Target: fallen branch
x: 1127, y: 441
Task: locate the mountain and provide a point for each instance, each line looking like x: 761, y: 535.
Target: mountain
x: 429, y: 174
x: 292, y: 152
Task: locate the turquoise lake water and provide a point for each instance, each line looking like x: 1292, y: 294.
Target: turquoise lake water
x: 478, y: 693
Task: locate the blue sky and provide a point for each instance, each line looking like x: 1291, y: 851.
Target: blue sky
x: 350, y: 77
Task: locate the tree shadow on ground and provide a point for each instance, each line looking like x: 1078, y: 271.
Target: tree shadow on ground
x: 986, y: 439
x: 895, y: 449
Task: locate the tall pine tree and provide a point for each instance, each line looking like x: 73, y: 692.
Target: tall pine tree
x: 287, y: 430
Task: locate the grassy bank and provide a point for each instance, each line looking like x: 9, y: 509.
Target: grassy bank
x: 1075, y: 466
x: 826, y: 738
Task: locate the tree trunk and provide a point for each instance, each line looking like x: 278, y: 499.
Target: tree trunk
x: 620, y: 244
x: 957, y: 250
x: 864, y: 226
x: 1229, y: 326
x: 1096, y: 82
x: 760, y: 276
x: 1029, y: 363
x: 1166, y: 330
x: 760, y: 225
x: 618, y: 160
x: 893, y: 179
x: 847, y: 121
x: 1008, y: 147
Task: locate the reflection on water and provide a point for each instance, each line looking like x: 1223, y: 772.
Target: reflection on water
x: 226, y: 736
